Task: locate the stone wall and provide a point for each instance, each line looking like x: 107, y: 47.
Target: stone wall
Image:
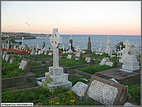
x: 41, y: 67
x: 29, y: 80
x: 74, y: 67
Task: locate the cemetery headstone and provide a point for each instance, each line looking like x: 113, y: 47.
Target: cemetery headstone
x: 107, y: 92
x: 50, y: 53
x: 109, y: 63
x: 130, y: 64
x: 12, y: 59
x: 7, y: 57
x: 88, y: 59
x: 69, y: 56
x: 3, y: 56
x: 25, y: 65
x: 103, y: 61
x: 79, y: 88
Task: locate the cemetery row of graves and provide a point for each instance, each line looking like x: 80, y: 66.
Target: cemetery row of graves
x: 83, y: 77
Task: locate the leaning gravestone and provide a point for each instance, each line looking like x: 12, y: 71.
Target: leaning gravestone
x: 107, y: 92
x: 7, y: 57
x: 3, y: 56
x: 12, y: 59
x: 79, y: 88
x: 69, y: 56
x: 88, y: 59
x: 103, y: 61
x: 25, y: 65
x: 78, y: 54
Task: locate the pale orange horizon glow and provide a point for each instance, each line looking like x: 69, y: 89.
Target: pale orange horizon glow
x: 107, y: 18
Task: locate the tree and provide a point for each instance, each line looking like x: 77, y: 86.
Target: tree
x: 118, y: 45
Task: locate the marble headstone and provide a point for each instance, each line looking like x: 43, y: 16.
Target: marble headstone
x: 79, y: 88
x: 7, y: 57
x: 69, y: 56
x: 88, y: 59
x: 25, y: 65
x: 107, y: 92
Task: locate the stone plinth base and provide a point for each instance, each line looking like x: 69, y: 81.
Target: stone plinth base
x: 67, y: 85
x: 56, y: 78
x: 129, y: 71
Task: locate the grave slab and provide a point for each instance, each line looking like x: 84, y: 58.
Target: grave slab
x: 120, y: 76
x: 107, y: 92
x: 79, y: 88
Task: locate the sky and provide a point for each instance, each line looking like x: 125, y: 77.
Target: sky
x: 72, y: 17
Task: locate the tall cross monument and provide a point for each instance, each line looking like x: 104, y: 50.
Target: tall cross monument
x: 56, y: 77
x: 55, y: 40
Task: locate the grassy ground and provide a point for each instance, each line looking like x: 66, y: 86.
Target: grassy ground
x: 72, y: 62
x: 42, y: 96
x: 134, y: 91
x: 11, y: 69
x: 39, y: 73
x: 75, y: 80
x: 94, y: 68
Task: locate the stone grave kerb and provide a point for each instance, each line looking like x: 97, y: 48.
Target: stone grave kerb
x: 122, y: 95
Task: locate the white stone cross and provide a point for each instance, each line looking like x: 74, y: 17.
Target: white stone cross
x: 127, y: 44
x: 55, y: 40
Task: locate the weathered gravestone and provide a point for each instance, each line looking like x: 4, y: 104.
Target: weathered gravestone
x: 107, y: 92
x: 79, y: 88
x: 69, y: 56
x: 7, y: 57
x: 109, y: 63
x: 3, y: 56
x: 12, y: 59
x: 25, y: 65
x: 78, y: 54
x: 103, y: 61
x: 50, y: 53
x: 88, y: 59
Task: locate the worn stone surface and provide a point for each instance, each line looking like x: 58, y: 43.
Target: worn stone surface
x: 109, y: 63
x: 79, y: 88
x: 69, y: 56
x: 107, y: 92
x: 88, y: 59
x: 3, y: 56
x: 50, y: 53
x: 55, y: 77
x: 29, y: 80
x: 130, y: 64
x: 25, y: 65
x: 103, y: 61
x: 120, y: 76
x: 7, y: 57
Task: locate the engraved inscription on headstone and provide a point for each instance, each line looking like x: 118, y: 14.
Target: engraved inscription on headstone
x: 107, y: 92
x: 102, y: 92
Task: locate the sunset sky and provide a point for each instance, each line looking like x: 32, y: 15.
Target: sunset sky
x: 70, y: 17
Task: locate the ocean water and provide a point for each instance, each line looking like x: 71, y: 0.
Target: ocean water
x: 82, y: 40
